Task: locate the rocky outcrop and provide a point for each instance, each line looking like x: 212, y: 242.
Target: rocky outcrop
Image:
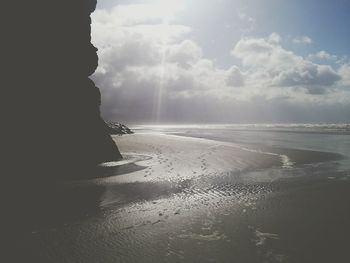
x: 46, y: 88
x: 116, y: 128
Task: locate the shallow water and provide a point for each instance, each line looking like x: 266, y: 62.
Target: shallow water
x: 332, y: 138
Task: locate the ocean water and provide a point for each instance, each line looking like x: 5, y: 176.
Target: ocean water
x: 305, y: 143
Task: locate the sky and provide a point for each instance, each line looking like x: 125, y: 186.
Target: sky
x: 223, y: 61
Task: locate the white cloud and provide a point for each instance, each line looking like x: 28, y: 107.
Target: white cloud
x: 275, y: 66
x: 111, y: 26
x: 323, y: 55
x: 139, y: 14
x: 302, y: 40
x: 149, y: 69
x: 185, y: 53
x: 344, y: 71
x: 274, y: 38
x: 235, y: 78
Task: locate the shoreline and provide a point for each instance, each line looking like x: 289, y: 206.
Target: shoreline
x: 299, y: 155
x: 197, y: 199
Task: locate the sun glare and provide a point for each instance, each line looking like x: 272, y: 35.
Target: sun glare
x: 167, y: 10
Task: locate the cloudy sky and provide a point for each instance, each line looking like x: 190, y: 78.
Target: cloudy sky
x: 245, y: 61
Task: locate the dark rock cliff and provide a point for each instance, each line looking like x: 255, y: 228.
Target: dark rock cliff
x: 52, y: 119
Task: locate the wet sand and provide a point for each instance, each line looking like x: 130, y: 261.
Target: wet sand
x: 179, y: 199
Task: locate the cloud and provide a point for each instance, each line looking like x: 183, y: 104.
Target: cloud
x: 323, y: 55
x: 153, y: 71
x: 302, y: 40
x: 344, y: 71
x: 274, y: 38
x: 276, y: 66
x: 138, y: 20
x: 235, y: 78
x: 185, y: 53
x: 146, y: 68
x: 308, y: 75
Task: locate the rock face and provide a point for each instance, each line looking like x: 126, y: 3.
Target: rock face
x: 116, y: 128
x: 48, y: 94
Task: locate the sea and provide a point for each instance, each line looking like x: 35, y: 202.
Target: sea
x: 314, y: 139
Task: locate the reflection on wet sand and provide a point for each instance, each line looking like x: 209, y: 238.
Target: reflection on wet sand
x: 188, y: 199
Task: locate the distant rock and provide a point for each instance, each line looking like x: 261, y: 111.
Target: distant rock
x: 116, y: 128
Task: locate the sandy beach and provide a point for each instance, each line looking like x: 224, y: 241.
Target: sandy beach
x: 185, y: 199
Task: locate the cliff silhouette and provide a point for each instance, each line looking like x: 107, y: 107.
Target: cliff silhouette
x: 53, y: 125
